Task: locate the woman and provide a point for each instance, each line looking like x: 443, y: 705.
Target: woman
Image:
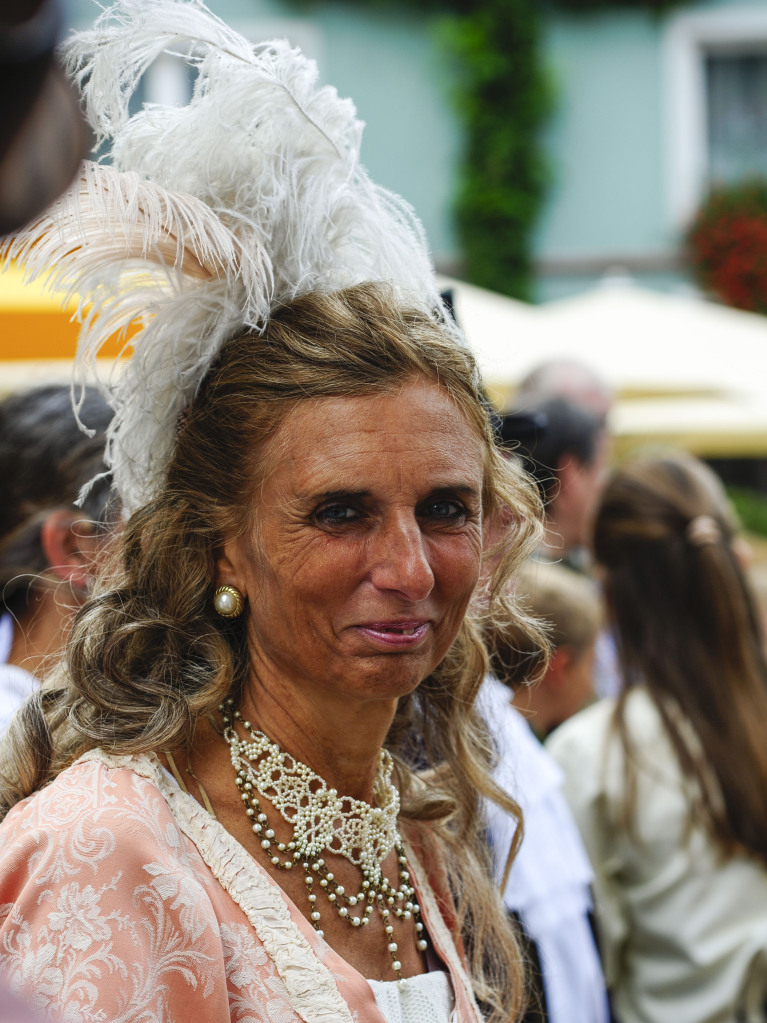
x: 47, y: 544
x: 209, y: 817
x: 667, y: 783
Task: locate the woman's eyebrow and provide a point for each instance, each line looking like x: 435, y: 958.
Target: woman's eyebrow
x: 444, y: 489
x: 447, y: 489
x: 340, y: 495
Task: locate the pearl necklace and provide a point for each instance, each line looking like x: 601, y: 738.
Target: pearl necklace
x: 323, y: 821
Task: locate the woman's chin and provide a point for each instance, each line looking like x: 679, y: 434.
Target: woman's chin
x: 393, y: 678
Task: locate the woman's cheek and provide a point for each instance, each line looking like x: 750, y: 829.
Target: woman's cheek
x: 458, y: 566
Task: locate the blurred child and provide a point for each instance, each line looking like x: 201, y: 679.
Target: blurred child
x: 548, y: 888
x: 569, y: 604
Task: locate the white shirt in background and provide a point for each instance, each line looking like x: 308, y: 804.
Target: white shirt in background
x: 15, y: 683
x: 549, y: 884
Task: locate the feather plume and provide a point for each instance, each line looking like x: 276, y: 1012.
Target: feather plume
x: 212, y: 214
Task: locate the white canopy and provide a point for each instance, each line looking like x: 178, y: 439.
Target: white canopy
x: 646, y: 342
x: 684, y: 370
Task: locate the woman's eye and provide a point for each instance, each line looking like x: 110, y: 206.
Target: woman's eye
x: 336, y: 514
x: 445, y: 511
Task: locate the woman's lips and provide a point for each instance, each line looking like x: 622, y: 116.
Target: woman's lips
x: 397, y: 635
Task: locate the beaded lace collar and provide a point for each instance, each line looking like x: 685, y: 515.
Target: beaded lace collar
x: 363, y: 834
x: 323, y: 821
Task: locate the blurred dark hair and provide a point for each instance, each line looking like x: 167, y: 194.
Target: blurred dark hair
x: 554, y: 429
x: 45, y: 459
x: 43, y: 134
x: 688, y: 630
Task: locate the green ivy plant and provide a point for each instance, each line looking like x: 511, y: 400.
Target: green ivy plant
x: 503, y: 99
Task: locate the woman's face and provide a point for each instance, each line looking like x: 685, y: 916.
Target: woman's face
x: 365, y: 544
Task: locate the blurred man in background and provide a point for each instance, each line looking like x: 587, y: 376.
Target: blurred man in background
x: 570, y: 379
x: 566, y: 454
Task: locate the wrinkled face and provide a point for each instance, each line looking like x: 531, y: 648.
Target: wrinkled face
x: 365, y: 543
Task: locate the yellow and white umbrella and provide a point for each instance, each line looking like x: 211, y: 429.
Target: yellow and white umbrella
x: 38, y: 336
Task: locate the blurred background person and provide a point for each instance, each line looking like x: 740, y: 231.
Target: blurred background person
x: 548, y: 430
x: 43, y: 136
x: 571, y: 379
x: 667, y: 783
x: 569, y: 605
x: 47, y: 543
x: 566, y: 454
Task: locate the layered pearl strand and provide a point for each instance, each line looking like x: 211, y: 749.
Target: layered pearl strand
x: 323, y: 821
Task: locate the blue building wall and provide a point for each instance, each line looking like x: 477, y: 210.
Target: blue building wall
x: 611, y: 199
x: 607, y: 143
x: 604, y: 141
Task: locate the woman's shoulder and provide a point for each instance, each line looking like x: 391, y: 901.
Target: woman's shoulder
x: 106, y: 811
x: 99, y: 881
x: 94, y: 857
x: 96, y: 783
x: 589, y: 731
x: 608, y: 768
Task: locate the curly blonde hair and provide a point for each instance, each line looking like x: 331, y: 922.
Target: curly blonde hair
x: 148, y: 657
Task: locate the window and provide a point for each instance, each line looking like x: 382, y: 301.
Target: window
x: 736, y: 115
x: 169, y: 80
x: 716, y: 94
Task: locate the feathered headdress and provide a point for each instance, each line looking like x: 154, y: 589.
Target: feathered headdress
x: 210, y: 216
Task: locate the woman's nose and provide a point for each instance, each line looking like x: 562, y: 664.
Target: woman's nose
x: 401, y: 561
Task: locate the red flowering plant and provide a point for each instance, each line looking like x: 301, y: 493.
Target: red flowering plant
x: 727, y: 244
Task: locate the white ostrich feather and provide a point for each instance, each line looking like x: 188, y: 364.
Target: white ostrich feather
x: 212, y: 215
x: 111, y: 217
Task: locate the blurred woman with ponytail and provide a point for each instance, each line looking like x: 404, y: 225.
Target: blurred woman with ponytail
x: 668, y: 783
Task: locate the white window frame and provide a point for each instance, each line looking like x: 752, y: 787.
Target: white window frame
x: 164, y: 83
x: 687, y: 41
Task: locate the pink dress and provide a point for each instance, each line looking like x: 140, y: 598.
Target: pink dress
x: 123, y: 901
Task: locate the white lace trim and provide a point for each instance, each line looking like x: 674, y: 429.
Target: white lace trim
x: 441, y: 937
x: 310, y: 986
x: 427, y: 998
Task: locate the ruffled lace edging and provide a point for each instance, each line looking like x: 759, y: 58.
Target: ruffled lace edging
x: 441, y: 938
x: 310, y: 986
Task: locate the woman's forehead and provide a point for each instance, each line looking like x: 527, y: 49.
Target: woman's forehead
x: 416, y: 429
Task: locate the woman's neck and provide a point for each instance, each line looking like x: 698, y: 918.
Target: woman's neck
x: 341, y: 743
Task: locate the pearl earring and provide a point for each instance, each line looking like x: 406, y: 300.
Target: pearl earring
x: 228, y: 602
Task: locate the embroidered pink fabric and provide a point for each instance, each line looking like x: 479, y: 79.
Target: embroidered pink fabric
x: 123, y: 901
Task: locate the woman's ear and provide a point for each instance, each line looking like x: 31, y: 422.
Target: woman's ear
x: 227, y: 564
x: 70, y: 544
x: 496, y: 526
